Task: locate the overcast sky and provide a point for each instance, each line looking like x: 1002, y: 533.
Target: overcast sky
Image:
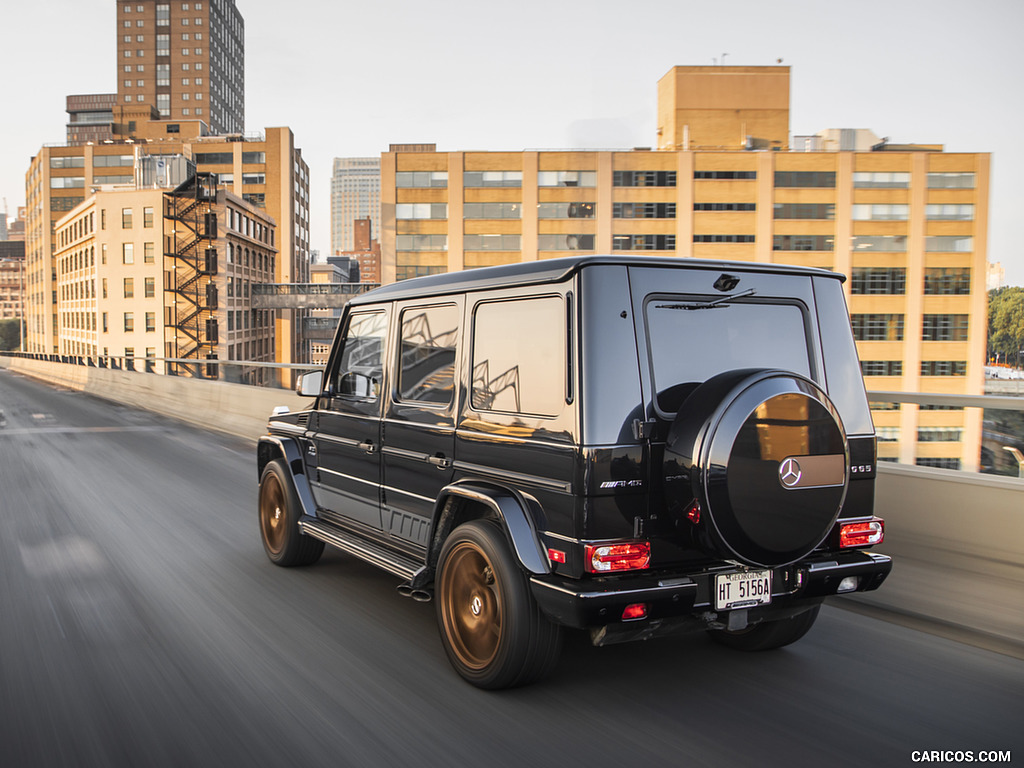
x: 349, y: 78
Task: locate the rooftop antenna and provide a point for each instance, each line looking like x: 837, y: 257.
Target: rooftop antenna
x: 723, y: 58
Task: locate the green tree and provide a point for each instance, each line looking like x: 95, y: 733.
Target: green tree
x: 1006, y: 323
x: 10, y: 335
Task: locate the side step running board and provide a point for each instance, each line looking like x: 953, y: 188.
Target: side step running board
x: 393, y: 562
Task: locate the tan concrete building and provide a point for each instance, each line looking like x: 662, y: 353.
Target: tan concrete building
x: 908, y: 224
x: 144, y: 273
x: 266, y: 171
x: 186, y: 59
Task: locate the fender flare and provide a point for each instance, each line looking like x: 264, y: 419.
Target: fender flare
x: 272, y: 447
x: 517, y: 512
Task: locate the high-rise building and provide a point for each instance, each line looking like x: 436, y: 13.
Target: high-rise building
x: 185, y: 59
x: 355, y: 194
x: 266, y: 171
x: 907, y: 223
x: 90, y: 117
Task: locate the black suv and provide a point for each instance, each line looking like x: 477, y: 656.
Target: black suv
x: 629, y: 446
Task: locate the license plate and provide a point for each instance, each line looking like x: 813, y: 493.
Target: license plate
x: 740, y: 590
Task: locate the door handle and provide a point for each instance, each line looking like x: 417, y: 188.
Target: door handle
x: 368, y: 446
x: 440, y: 462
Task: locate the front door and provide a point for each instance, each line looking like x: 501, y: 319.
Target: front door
x: 348, y: 440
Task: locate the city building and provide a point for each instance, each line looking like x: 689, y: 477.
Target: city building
x: 996, y: 276
x: 355, y: 194
x: 907, y: 223
x: 90, y: 117
x: 365, y: 252
x: 12, y: 279
x: 16, y: 228
x: 185, y: 59
x: 266, y: 171
x: 156, y: 273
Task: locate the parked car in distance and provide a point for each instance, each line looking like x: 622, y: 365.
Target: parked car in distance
x: 629, y: 446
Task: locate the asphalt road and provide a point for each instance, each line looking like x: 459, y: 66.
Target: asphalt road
x: 142, y: 625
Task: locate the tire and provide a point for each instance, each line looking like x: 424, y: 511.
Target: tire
x: 492, y: 630
x: 768, y: 634
x: 764, y: 455
x: 283, y: 542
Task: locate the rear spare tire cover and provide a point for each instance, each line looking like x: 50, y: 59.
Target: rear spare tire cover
x: 764, y: 454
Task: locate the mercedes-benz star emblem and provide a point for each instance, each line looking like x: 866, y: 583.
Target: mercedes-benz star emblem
x: 789, y: 472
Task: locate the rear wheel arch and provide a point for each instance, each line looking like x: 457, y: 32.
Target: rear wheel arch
x: 516, y: 513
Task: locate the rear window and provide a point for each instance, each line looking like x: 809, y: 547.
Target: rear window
x: 689, y: 343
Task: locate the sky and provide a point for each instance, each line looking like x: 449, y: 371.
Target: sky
x: 350, y: 78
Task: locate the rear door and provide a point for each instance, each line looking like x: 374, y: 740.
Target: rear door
x: 419, y: 431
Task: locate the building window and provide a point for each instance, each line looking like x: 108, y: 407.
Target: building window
x: 939, y: 434
x: 147, y: 217
x: 163, y: 45
x: 725, y: 174
x: 492, y: 179
x: 247, y: 157
x: 128, y: 253
x: 491, y: 242
x: 643, y: 178
x: 643, y: 210
x: 422, y: 243
x: 129, y: 288
x: 562, y: 242
x: 944, y: 368
x: 418, y: 210
x: 126, y: 218
x: 254, y: 178
x: 724, y: 207
x: 406, y: 179
x: 566, y: 178
x: 643, y: 242
x: 820, y: 179
x: 150, y: 321
x: 939, y: 281
x: 491, y: 211
x: 879, y: 281
x: 805, y: 210
x: 566, y: 210
x: 888, y: 243
x: 882, y: 212
x: 723, y: 238
x: 950, y: 212
x: 950, y: 181
x: 949, y: 244
x: 163, y: 14
x: 150, y: 287
x: 944, y: 328
x: 129, y: 323
x: 881, y: 367
x: 876, y: 327
x: 881, y: 179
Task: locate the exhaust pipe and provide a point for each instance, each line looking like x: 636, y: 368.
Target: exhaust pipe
x: 419, y: 595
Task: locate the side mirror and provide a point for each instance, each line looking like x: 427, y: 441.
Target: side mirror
x: 310, y: 384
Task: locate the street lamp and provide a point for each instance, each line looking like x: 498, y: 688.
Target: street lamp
x: 1018, y: 456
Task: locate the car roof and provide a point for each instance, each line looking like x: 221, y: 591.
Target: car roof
x: 557, y: 270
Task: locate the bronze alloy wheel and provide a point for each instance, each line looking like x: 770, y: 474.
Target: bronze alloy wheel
x: 471, y: 606
x: 272, y: 514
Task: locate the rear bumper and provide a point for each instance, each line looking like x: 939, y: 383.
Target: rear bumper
x: 599, y: 602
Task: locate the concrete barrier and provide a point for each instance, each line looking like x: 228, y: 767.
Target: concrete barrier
x: 235, y: 409
x: 957, y: 541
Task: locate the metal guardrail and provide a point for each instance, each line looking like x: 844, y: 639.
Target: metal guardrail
x: 312, y: 289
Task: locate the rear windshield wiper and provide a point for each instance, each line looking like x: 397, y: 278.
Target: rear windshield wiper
x: 721, y: 302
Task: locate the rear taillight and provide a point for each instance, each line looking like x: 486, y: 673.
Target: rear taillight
x: 861, y: 533
x: 621, y: 556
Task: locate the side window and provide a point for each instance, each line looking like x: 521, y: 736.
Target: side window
x: 519, y: 356
x: 360, y: 370
x: 427, y: 368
